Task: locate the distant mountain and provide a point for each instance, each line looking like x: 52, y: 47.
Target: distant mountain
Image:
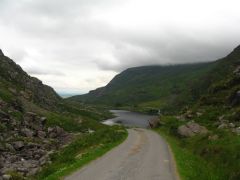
x: 165, y: 87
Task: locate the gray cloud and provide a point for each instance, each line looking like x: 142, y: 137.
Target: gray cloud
x: 91, y: 39
x: 37, y: 71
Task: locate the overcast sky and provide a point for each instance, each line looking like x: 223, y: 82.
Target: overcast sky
x: 79, y: 45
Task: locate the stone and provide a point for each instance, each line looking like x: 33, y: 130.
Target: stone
x: 33, y: 171
x: 185, y: 131
x: 153, y: 123
x: 213, y: 137
x: 6, y: 177
x: 4, y: 115
x: 43, y: 120
x: 231, y: 125
x: 2, y: 148
x: 237, y: 130
x: 59, y: 131
x: 41, y: 134
x: 90, y: 131
x: 10, y: 147
x: 199, y: 114
x: 223, y: 126
x: 191, y: 129
x: 44, y: 160
x: 196, y: 128
x: 27, y: 132
x: 18, y: 145
x: 235, y: 100
x: 52, y: 135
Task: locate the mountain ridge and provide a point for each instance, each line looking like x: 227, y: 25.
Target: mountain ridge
x: 165, y: 87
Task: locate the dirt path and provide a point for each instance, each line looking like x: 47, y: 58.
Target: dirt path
x: 143, y: 156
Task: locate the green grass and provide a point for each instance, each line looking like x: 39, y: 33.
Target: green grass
x: 200, y: 158
x: 83, y: 150
x: 189, y: 165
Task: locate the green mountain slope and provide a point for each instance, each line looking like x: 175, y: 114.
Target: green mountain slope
x: 165, y: 87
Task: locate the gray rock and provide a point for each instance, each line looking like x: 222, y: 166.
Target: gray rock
x: 4, y: 115
x: 18, y: 145
x: 7, y: 177
x: 223, y: 126
x: 27, y: 132
x: 185, y: 131
x: 33, y: 171
x: 44, y: 160
x: 43, y: 120
x: 10, y: 147
x: 231, y: 125
x: 2, y: 148
x: 213, y: 137
x: 154, y: 122
x: 41, y: 134
x: 191, y: 129
x: 237, y: 130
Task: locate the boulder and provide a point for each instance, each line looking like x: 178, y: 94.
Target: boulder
x: 213, y: 137
x: 18, y: 145
x: 185, y: 131
x: 154, y: 122
x: 6, y: 177
x: 223, y: 126
x: 27, y: 132
x: 191, y: 129
x: 4, y: 115
x: 10, y: 147
x: 2, y: 148
x: 41, y: 134
x: 235, y: 99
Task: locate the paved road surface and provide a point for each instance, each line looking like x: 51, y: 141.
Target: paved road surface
x: 143, y: 156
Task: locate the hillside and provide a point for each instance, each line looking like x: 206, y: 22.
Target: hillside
x: 36, y: 124
x: 165, y: 87
x: 20, y: 84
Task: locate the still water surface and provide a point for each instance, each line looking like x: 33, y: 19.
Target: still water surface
x: 130, y: 119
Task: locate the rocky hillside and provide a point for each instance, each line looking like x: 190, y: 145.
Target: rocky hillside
x: 19, y: 83
x: 34, y: 122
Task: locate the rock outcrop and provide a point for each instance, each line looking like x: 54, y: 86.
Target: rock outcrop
x: 25, y: 140
x: 21, y: 84
x: 25, y: 145
x: 191, y: 129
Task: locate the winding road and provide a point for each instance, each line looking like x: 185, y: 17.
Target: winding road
x: 144, y: 155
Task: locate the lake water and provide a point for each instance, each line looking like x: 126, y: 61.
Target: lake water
x: 129, y: 119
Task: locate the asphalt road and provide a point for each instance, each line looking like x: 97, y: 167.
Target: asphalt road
x: 143, y: 156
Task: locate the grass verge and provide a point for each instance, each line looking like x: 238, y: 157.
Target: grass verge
x: 83, y: 150
x: 190, y: 164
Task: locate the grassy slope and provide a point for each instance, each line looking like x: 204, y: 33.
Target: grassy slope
x: 83, y: 150
x: 200, y: 157
x: 165, y: 87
